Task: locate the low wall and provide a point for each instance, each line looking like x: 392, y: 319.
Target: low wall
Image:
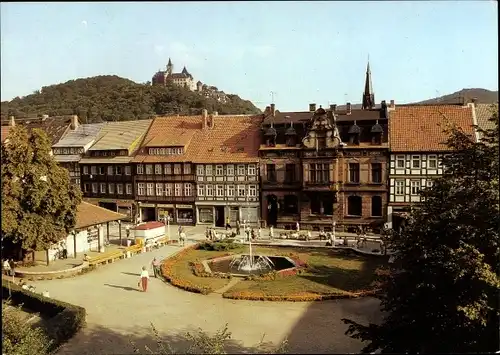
x: 48, y: 275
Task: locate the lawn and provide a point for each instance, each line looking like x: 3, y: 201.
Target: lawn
x: 328, y: 272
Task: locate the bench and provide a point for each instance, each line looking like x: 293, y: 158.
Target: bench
x: 134, y: 249
x: 106, y: 258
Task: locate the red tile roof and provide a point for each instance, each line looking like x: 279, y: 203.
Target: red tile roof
x: 420, y: 128
x: 88, y: 215
x: 148, y: 226
x: 233, y: 139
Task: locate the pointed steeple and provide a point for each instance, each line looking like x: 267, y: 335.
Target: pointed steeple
x: 368, y: 95
x: 169, y: 61
x: 170, y: 67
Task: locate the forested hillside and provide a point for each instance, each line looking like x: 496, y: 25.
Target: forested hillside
x: 112, y: 98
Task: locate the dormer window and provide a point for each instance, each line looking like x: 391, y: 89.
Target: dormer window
x: 377, y: 131
x: 271, y: 136
x: 354, y: 132
x: 291, y: 136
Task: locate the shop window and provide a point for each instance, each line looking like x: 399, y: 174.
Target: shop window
x: 291, y: 204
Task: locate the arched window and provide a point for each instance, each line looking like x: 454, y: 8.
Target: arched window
x: 376, y: 206
x: 354, y: 206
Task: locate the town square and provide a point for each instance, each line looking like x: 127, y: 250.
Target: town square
x: 208, y: 182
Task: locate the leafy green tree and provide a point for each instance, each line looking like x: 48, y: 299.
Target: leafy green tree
x: 39, y: 203
x: 442, y: 297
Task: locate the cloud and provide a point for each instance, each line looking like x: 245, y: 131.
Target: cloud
x: 84, y: 23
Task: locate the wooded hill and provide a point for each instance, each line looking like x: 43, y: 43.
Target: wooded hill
x: 112, y: 98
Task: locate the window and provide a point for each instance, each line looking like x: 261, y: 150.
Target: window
x: 415, y: 187
x: 201, y: 190
x: 101, y: 170
x: 140, y: 189
x: 252, y: 170
x: 400, y: 161
x: 430, y: 182
x: 85, y: 170
x: 86, y: 187
x: 230, y: 190
x: 128, y: 187
x: 252, y: 191
x: 400, y: 187
x: 319, y: 173
x: 230, y: 170
x: 150, y: 189
x: 103, y: 188
x: 290, y: 173
x: 208, y: 169
x: 94, y: 188
x: 177, y: 169
x: 210, y: 190
x: 354, y: 172
x: 119, y: 189
x: 118, y: 170
x: 158, y: 169
x: 167, y: 168
x: 93, y: 170
x: 111, y: 188
x: 432, y: 162
x: 140, y: 169
x: 65, y: 151
x: 168, y: 189
x: 321, y: 142
x: 149, y: 169
x: 178, y: 189
x: 199, y: 170
x: 188, y: 189
x: 415, y: 161
x: 110, y: 170
x: 354, y: 206
x: 159, y: 188
x: 271, y: 172
x: 219, y: 170
x: 376, y: 173
x: 376, y: 206
x: 219, y: 191
x: 241, y: 170
x: 241, y: 190
x: 291, y: 205
x: 187, y: 169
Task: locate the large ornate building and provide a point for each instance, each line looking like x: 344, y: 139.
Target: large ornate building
x: 184, y: 78
x: 324, y: 166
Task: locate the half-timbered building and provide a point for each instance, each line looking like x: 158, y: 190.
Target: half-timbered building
x: 106, y: 173
x: 417, y: 140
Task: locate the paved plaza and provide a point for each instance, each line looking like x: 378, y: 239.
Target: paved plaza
x: 118, y: 313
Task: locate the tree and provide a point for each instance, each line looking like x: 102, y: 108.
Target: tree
x: 442, y: 295
x: 39, y: 203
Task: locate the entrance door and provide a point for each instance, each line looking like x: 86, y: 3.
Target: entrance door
x: 272, y: 210
x: 148, y: 214
x: 219, y: 216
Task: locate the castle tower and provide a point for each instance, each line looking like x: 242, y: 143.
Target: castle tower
x: 368, y: 95
x: 170, y: 67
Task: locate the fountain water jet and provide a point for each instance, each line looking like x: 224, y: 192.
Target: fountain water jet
x: 249, y: 263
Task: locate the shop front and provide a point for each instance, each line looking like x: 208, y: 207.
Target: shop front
x: 185, y: 214
x: 165, y: 210
x: 216, y: 213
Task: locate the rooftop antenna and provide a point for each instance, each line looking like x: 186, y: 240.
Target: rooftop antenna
x: 272, y: 96
x: 437, y: 96
x: 345, y: 97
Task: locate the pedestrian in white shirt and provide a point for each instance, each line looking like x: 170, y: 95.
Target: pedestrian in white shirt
x: 144, y: 279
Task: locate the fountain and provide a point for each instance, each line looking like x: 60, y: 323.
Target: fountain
x: 250, y: 263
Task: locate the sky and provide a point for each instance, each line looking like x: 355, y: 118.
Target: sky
x: 294, y: 53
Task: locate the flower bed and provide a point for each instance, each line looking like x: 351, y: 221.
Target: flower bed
x: 297, y: 297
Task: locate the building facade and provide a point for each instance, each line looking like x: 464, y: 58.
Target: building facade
x: 184, y: 78
x: 417, y: 147
x: 106, y: 172
x: 321, y: 167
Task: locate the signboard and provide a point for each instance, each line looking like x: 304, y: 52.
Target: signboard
x: 165, y: 205
x: 184, y: 206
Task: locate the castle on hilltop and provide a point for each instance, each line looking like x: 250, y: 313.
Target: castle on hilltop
x: 185, y: 79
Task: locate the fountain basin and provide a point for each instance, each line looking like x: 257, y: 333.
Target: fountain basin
x: 227, y: 264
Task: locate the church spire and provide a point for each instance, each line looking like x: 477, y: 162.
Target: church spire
x: 368, y: 95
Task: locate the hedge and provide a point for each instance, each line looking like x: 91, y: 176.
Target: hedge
x: 297, y: 297
x: 64, y: 319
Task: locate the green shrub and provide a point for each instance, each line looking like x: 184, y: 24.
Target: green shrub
x: 64, y: 321
x: 223, y: 245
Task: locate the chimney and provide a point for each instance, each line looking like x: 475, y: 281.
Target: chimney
x: 267, y: 111
x: 74, y: 122
x: 392, y: 104
x: 204, y: 114
x: 348, y: 108
x: 474, y: 100
x: 211, y: 122
x: 312, y: 107
x: 333, y: 107
x: 273, y: 110
x: 12, y: 121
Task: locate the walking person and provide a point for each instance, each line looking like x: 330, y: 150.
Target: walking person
x: 179, y: 230
x: 271, y: 232
x: 238, y: 227
x: 228, y: 223
x: 144, y: 279
x: 12, y: 267
x: 6, y: 267
x: 155, y: 264
x: 297, y: 226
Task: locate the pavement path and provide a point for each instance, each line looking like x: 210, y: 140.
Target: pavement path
x: 117, y: 313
